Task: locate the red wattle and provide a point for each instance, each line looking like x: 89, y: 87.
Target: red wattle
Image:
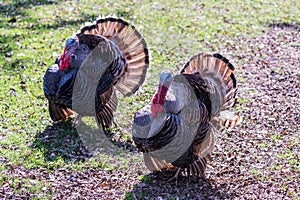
x: 158, y: 100
x: 64, y: 60
x: 159, y: 97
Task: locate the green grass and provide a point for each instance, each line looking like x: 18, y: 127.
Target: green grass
x: 30, y: 184
x: 174, y: 31
x: 145, y: 178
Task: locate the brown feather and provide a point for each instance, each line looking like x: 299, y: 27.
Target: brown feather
x: 154, y: 163
x: 110, y: 101
x: 59, y: 112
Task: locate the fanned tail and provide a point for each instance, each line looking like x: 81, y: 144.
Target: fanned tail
x: 218, y: 74
x: 133, y: 46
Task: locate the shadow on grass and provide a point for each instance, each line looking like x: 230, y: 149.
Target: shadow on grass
x: 61, y: 140
x: 286, y: 25
x: 157, y: 186
x: 17, y: 7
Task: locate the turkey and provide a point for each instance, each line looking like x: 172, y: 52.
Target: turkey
x: 177, y: 130
x: 110, y: 54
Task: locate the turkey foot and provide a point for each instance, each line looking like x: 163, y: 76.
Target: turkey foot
x: 176, y: 176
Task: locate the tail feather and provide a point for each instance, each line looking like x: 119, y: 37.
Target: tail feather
x: 230, y: 123
x: 131, y: 44
x: 200, y: 166
x: 226, y: 119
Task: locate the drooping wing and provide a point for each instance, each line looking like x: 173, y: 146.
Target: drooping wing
x: 153, y: 134
x: 106, y: 101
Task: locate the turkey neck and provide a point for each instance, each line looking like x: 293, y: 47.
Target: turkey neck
x: 65, y: 58
x: 160, y: 95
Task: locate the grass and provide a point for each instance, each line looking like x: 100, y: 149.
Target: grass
x: 32, y: 34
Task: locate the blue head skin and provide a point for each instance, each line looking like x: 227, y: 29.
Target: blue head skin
x: 71, y: 42
x: 166, y: 78
x: 70, y: 46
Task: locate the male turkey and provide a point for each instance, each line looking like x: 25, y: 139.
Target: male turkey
x: 177, y: 129
x: 106, y: 55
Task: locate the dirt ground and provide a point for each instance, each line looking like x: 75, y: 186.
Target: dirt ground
x: 259, y: 159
